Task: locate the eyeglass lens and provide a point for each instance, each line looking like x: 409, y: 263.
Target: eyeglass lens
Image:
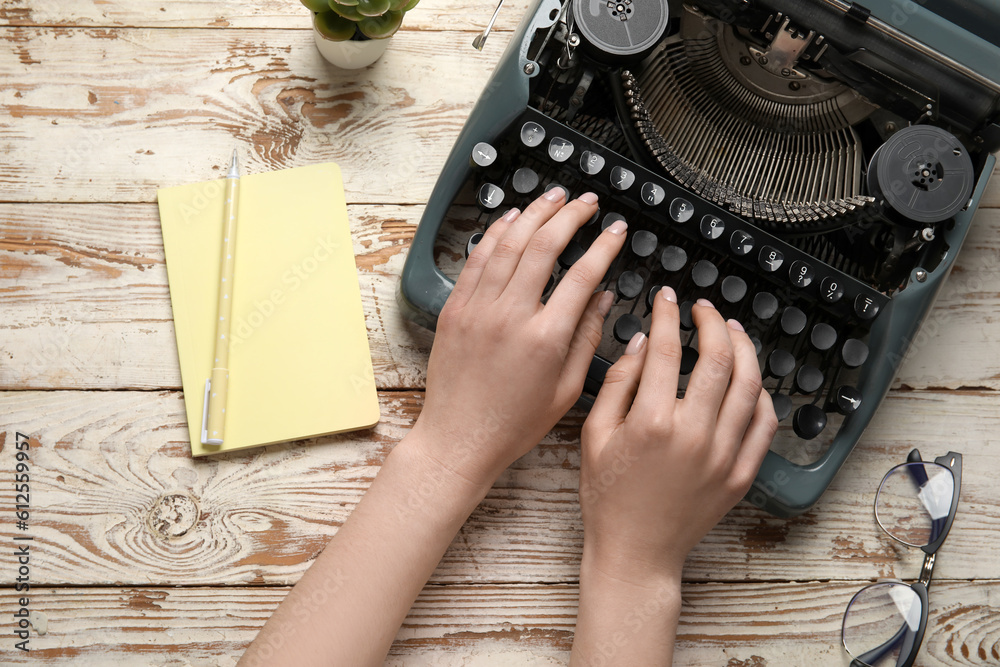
x: 914, y: 501
x: 881, y: 621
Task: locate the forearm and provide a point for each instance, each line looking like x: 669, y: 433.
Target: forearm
x: 348, y: 606
x: 625, y: 622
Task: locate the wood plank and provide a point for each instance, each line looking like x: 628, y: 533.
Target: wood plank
x: 177, y: 97
x: 430, y: 15
x: 738, y: 625
x: 117, y: 499
x: 86, y: 304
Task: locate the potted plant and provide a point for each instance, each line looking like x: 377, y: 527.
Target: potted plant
x: 354, y: 33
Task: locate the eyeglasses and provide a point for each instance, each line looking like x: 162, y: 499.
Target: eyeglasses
x: 916, y: 504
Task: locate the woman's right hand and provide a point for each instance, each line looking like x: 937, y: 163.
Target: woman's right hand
x: 658, y: 472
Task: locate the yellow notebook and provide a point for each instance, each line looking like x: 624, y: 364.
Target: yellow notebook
x: 299, y: 359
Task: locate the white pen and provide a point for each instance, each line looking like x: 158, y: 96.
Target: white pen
x: 213, y: 419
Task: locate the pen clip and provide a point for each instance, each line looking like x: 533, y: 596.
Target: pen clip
x: 204, y: 413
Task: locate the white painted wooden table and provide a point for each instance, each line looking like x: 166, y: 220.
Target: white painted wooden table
x: 142, y: 556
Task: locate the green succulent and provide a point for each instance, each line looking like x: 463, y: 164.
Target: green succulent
x: 341, y: 20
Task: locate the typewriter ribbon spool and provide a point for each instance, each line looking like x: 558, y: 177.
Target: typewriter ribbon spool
x: 923, y: 172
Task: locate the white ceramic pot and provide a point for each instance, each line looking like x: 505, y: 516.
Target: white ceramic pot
x: 350, y: 54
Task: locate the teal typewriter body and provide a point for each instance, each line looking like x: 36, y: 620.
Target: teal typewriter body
x: 812, y: 168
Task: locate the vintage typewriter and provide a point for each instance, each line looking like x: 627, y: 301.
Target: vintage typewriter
x: 812, y: 168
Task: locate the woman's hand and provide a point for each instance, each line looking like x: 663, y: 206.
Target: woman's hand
x: 658, y: 472
x: 504, y: 367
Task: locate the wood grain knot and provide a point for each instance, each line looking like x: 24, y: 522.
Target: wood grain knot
x: 173, y: 515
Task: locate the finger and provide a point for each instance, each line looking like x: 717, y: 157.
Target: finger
x: 620, y: 384
x: 471, y: 273
x: 744, y: 391
x: 574, y: 290
x: 584, y: 344
x: 548, y: 243
x: 509, y: 247
x: 659, y: 385
x: 757, y: 439
x: 710, y: 376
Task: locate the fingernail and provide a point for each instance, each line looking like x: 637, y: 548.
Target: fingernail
x: 618, y: 227
x: 604, y: 303
x: 588, y: 198
x: 705, y: 302
x: 669, y: 294
x: 736, y: 326
x: 636, y: 344
x: 510, y: 215
x: 556, y: 194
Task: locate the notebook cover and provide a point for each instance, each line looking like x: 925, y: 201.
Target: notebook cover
x: 300, y: 365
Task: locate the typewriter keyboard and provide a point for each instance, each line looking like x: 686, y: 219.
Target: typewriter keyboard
x: 808, y: 321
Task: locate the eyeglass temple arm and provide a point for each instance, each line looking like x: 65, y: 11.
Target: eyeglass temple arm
x: 939, y: 527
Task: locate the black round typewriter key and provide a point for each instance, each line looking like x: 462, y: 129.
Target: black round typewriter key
x: 782, y: 406
x: 757, y: 345
x: 686, y: 321
x: 865, y: 307
x: 483, y: 155
x: 591, y: 163
x: 704, y: 273
x: 622, y: 179
x: 673, y: 258
x: 734, y: 289
x: 770, y: 259
x: 551, y: 186
x: 593, y: 218
x: 780, y: 363
x: 793, y: 321
x: 681, y: 210
x: 644, y: 243
x: 652, y: 194
x: 741, y: 243
x: 689, y: 357
x: 524, y: 180
x: 610, y: 219
x: 823, y: 336
x: 809, y: 422
x: 560, y: 149
x: 651, y: 295
x: 629, y: 285
x: 831, y: 290
x: 489, y: 197
x: 854, y: 352
x: 627, y: 326
x: 473, y: 242
x: 801, y: 274
x: 847, y: 399
x: 571, y: 255
x: 765, y: 305
x: 532, y: 134
x: 711, y: 227
x: 808, y: 379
